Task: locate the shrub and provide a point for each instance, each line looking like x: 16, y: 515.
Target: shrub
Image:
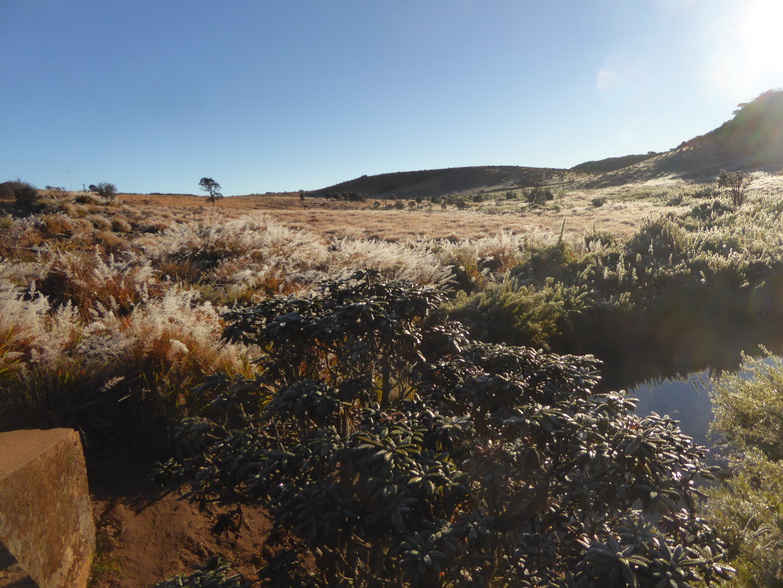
x: 748, y: 406
x: 746, y: 512
x: 662, y: 239
x: 22, y: 192
x: 737, y: 184
x: 105, y: 190
x: 539, y: 196
x: 709, y: 211
x: 519, y: 315
x: 398, y: 452
x: 706, y: 191
x: 746, y: 507
x: 25, y: 195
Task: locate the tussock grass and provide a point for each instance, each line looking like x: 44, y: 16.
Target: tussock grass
x: 142, y: 286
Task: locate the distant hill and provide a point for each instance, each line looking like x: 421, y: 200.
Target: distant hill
x: 752, y: 140
x: 611, y: 164
x: 440, y: 182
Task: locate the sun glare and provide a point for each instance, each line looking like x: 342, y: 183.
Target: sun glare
x: 760, y: 40
x: 761, y: 29
x: 746, y: 49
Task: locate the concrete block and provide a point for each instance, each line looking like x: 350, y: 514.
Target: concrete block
x: 46, y: 520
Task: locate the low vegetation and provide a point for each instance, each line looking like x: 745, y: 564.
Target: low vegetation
x: 389, y: 442
x: 400, y: 452
x: 710, y: 275
x: 746, y: 507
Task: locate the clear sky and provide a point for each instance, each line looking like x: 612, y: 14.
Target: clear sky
x: 274, y: 95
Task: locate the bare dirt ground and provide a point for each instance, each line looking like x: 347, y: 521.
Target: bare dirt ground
x: 144, y: 537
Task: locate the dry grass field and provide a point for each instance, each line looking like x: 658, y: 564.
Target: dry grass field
x: 331, y: 219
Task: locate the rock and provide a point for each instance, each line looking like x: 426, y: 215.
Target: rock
x: 12, y: 574
x: 46, y: 521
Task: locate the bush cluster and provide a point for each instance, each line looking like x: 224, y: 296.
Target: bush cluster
x: 713, y: 272
x: 746, y: 507
x: 346, y: 196
x: 104, y: 189
x: 398, y: 452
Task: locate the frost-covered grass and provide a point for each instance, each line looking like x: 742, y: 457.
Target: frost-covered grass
x: 138, y: 296
x: 108, y: 326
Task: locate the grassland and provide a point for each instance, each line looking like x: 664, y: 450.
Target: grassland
x: 616, y: 210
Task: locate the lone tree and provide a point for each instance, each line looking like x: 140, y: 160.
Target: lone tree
x: 212, y: 188
x: 737, y: 183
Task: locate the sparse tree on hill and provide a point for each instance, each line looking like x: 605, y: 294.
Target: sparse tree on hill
x: 212, y: 188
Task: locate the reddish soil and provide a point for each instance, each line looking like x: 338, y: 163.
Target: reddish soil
x: 143, y: 537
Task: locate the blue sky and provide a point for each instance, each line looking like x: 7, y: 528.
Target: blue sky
x: 274, y: 95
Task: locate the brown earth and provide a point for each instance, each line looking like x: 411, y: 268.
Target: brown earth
x: 144, y: 537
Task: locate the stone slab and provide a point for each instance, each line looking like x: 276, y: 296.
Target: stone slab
x: 46, y: 520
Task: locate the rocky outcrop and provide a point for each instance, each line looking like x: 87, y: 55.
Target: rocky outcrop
x: 46, y: 522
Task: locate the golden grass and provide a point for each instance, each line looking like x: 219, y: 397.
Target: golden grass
x: 331, y: 219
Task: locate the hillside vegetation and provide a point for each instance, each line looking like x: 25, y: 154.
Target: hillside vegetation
x: 440, y: 182
x: 752, y: 140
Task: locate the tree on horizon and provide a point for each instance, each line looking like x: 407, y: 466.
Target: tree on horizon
x: 211, y: 187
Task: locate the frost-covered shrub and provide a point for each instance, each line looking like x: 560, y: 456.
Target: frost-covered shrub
x: 34, y: 330
x: 255, y: 252
x: 88, y: 280
x: 746, y: 507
